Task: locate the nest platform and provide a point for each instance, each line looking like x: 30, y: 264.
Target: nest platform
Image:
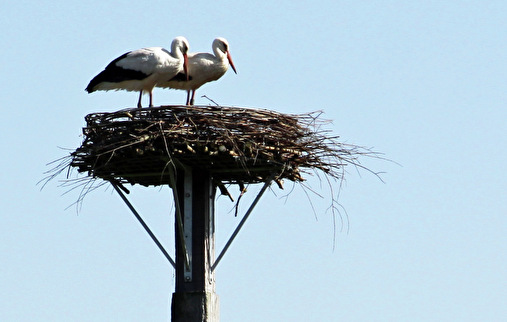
x: 236, y: 145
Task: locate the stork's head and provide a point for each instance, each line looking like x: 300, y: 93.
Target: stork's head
x: 180, y: 48
x: 221, y: 46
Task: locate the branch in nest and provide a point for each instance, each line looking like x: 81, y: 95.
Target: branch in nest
x: 223, y: 190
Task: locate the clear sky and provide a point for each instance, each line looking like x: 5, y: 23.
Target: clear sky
x: 422, y: 81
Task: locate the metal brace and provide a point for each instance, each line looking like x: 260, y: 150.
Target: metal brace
x: 187, y: 222
x: 242, y: 222
x: 145, y: 226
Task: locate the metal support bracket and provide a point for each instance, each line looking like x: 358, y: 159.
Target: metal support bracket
x: 145, y: 226
x: 187, y: 222
x: 242, y: 222
x: 184, y: 241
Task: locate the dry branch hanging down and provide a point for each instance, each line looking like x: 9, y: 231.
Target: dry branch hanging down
x: 236, y: 145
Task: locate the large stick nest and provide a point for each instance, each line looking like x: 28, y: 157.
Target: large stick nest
x: 236, y: 145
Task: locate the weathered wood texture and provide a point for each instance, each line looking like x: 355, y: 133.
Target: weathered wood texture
x: 194, y: 299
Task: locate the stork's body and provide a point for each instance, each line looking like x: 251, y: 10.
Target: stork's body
x: 141, y: 70
x: 202, y: 68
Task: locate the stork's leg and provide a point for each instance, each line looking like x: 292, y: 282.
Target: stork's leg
x: 188, y: 98
x: 140, y: 96
x: 192, y: 99
x: 151, y: 98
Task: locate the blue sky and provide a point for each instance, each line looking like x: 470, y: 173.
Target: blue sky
x: 422, y: 81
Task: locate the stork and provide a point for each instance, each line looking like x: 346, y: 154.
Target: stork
x: 140, y: 70
x: 202, y: 68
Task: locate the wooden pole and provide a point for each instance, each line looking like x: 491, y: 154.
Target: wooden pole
x: 194, y: 299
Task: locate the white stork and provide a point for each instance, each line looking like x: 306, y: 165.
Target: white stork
x: 202, y: 68
x: 140, y: 70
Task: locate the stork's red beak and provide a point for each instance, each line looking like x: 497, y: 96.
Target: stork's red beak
x: 230, y: 62
x: 185, y: 65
